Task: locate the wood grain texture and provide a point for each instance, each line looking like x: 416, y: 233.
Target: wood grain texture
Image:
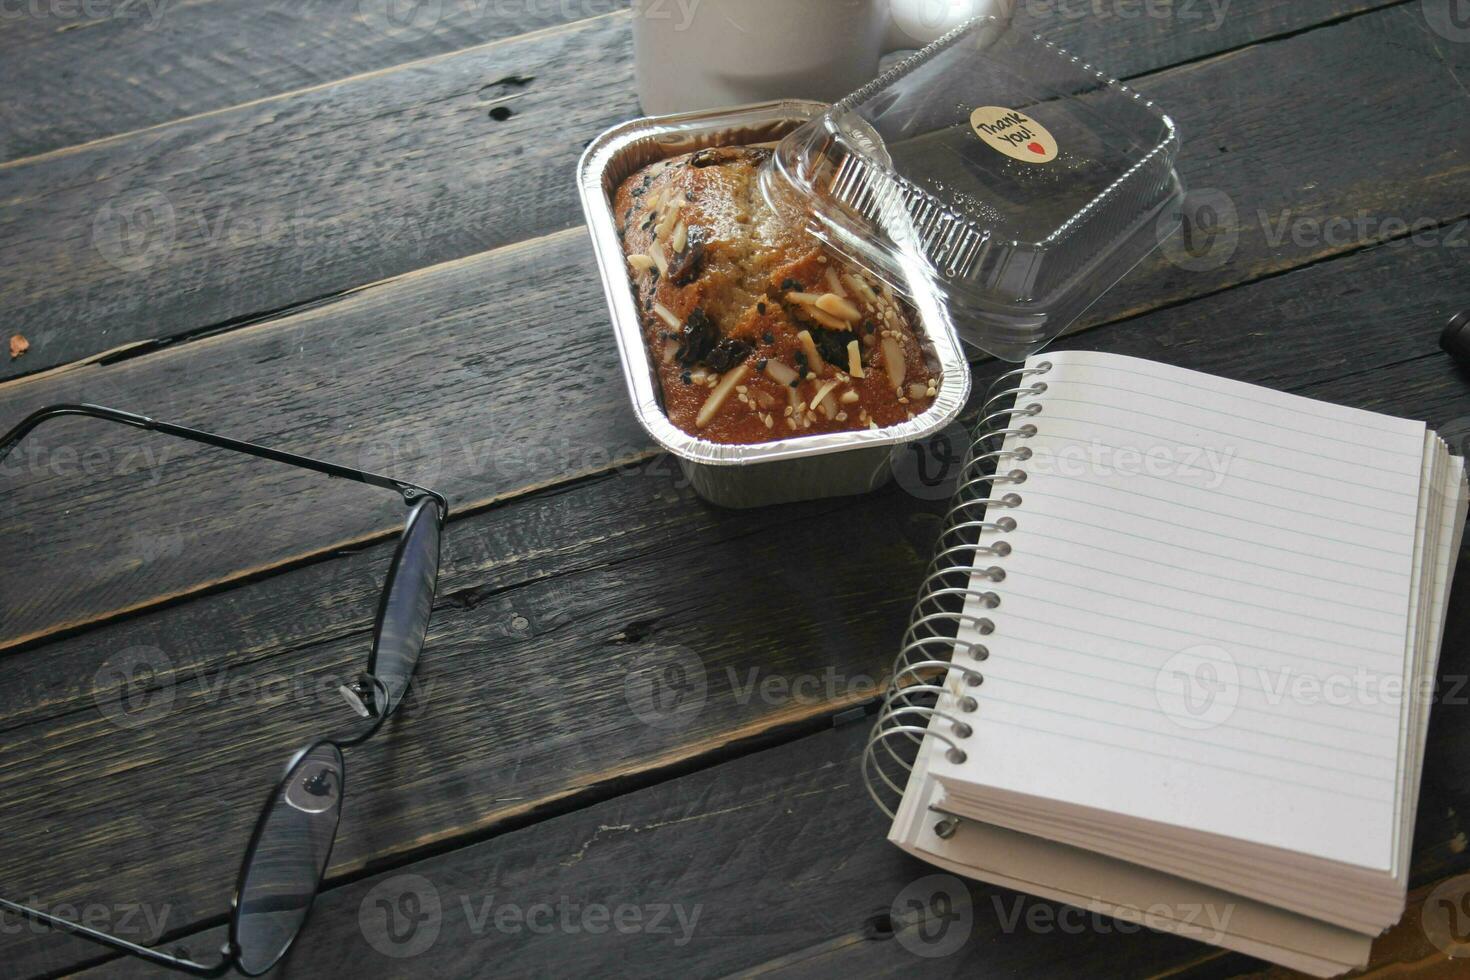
x: 775, y: 864
x: 497, y: 337
x: 432, y: 413
x: 777, y: 856
x: 529, y: 692
x: 549, y: 600
x: 283, y: 202
x: 1261, y: 202
x: 147, y: 63
x: 261, y: 208
x: 561, y: 608
x: 208, y: 55
x: 415, y: 373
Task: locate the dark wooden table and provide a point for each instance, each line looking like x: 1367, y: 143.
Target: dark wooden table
x: 301, y: 224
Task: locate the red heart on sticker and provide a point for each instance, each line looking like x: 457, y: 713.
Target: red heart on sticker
x: 1036, y: 148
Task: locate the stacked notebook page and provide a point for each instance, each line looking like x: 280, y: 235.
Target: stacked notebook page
x: 1193, y: 653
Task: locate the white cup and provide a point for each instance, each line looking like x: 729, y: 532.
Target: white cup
x: 701, y: 54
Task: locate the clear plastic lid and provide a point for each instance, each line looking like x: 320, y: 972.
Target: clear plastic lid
x: 1015, y: 181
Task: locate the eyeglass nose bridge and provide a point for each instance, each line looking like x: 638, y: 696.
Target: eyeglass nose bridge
x: 365, y: 694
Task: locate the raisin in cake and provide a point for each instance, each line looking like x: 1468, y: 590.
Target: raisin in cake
x: 757, y: 331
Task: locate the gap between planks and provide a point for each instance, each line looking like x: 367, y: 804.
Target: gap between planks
x: 555, y: 29
x: 302, y: 310
x: 279, y: 96
x: 715, y: 749
x: 1268, y: 273
x: 458, y: 512
x: 1224, y: 54
x: 317, y: 306
x: 475, y: 506
x: 297, y: 313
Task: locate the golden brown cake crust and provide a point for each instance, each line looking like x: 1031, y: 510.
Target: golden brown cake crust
x: 749, y: 320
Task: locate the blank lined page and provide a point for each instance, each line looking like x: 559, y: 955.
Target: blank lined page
x: 1204, y: 613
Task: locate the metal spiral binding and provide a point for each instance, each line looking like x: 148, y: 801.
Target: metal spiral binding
x: 912, y: 707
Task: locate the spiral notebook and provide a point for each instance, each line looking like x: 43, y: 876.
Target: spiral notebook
x: 1174, y: 658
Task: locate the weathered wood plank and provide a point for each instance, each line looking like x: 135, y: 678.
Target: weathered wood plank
x: 495, y: 337
x: 543, y: 615
x: 459, y: 345
x: 208, y: 56
x: 641, y: 512
x: 772, y: 864
x: 775, y: 855
x: 1259, y: 202
x: 147, y: 63
x: 1383, y: 308
x: 526, y: 698
x: 283, y: 202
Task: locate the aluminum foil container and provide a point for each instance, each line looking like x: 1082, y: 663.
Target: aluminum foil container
x: 801, y: 467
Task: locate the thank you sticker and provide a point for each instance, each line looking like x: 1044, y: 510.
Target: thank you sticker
x: 1014, y: 133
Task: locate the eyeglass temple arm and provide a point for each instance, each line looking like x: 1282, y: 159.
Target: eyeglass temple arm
x: 410, y: 492
x: 115, y: 942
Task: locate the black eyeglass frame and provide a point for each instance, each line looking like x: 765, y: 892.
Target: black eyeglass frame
x: 368, y: 696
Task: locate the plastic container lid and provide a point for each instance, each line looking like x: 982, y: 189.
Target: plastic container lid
x: 1017, y: 182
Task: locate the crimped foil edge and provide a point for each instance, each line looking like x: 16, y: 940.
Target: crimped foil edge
x: 598, y: 175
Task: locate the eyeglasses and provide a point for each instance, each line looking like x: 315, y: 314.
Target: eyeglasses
x: 288, y: 852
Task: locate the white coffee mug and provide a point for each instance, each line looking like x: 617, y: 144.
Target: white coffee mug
x: 700, y: 54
